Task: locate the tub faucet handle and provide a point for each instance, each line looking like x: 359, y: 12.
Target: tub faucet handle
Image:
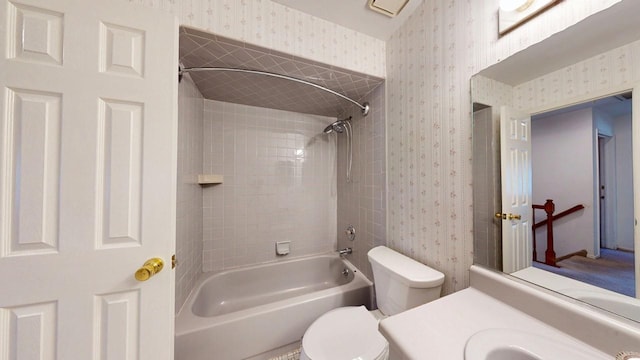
x: 345, y: 251
x: 351, y: 232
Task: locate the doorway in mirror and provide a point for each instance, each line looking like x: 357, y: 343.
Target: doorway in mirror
x: 582, y: 154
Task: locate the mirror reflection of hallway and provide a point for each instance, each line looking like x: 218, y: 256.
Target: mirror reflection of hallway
x: 582, y: 155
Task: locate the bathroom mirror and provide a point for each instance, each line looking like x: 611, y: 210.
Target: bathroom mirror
x: 578, y: 84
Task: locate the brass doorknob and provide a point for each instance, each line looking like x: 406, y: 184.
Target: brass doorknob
x: 150, y: 268
x: 508, y: 216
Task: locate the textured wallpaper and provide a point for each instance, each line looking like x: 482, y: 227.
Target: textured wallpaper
x: 274, y: 26
x: 491, y: 92
x: 430, y: 60
x: 612, y: 71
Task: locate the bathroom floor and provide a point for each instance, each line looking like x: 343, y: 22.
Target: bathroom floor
x: 292, y: 355
x: 287, y: 352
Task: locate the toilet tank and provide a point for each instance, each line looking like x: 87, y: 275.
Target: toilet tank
x: 402, y: 283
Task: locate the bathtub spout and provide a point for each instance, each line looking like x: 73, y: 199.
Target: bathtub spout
x: 345, y: 251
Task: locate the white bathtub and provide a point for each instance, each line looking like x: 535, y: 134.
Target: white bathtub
x: 240, y: 313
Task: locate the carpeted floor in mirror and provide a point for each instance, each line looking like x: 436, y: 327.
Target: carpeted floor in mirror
x: 613, y: 270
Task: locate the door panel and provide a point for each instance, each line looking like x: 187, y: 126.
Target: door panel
x: 120, y: 172
x: 118, y: 325
x: 32, y: 149
x: 87, y: 179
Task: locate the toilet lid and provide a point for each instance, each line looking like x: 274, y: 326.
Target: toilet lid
x: 345, y: 333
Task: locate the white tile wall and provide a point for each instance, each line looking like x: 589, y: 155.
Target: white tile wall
x: 189, y: 194
x: 362, y: 202
x: 279, y: 184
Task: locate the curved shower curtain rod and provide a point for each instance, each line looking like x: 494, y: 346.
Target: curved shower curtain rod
x: 363, y: 107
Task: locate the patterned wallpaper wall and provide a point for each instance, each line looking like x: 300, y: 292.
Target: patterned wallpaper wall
x: 491, y: 92
x: 272, y: 25
x: 430, y: 60
x: 613, y: 71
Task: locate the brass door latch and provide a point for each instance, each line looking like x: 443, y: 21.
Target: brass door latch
x: 508, y: 216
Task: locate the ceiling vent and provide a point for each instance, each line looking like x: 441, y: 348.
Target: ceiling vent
x: 388, y: 7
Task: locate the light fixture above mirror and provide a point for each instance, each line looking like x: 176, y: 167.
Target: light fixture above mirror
x: 511, y: 5
x: 513, y: 13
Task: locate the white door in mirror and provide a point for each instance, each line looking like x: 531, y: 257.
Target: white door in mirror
x: 515, y: 164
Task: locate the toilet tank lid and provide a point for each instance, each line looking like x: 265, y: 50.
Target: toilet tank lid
x: 407, y: 270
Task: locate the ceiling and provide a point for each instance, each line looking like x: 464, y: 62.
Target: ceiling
x: 198, y: 49
x: 354, y: 14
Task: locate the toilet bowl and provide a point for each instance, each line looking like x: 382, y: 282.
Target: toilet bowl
x: 351, y: 332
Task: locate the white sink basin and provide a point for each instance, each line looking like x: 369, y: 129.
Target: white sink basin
x: 512, y: 344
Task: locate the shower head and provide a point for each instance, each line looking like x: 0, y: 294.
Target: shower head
x: 337, y: 127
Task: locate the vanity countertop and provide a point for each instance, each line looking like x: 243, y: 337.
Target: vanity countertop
x: 440, y: 329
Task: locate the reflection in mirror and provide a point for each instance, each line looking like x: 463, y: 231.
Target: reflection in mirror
x: 486, y: 195
x: 582, y: 133
x: 582, y: 164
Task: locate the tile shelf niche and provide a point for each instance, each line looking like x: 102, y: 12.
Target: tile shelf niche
x: 206, y: 179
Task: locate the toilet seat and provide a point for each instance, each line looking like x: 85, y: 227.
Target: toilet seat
x: 343, y: 334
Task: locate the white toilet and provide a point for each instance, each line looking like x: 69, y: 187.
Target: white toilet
x: 351, y: 332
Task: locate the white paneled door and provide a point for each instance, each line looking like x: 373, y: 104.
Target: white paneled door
x: 87, y: 179
x: 515, y: 166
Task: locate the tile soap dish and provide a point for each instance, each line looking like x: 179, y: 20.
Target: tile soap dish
x: 283, y: 247
x: 204, y: 179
